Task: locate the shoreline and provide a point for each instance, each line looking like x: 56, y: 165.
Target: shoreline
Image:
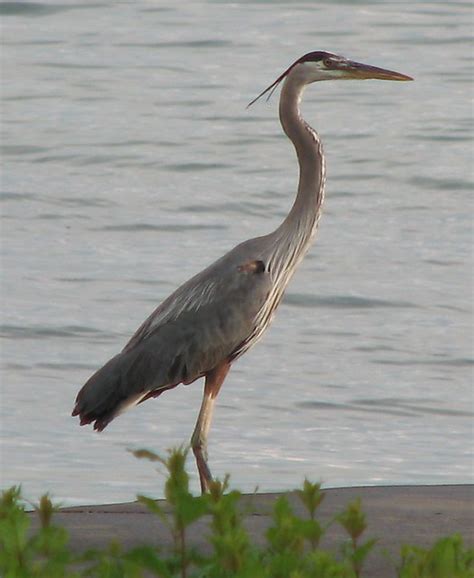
x: 396, y: 515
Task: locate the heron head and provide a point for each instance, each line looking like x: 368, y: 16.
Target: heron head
x: 316, y: 66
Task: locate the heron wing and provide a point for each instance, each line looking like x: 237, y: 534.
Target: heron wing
x: 201, y: 324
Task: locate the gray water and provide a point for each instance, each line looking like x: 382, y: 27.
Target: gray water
x: 130, y: 162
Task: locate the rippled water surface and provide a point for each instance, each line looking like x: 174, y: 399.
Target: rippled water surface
x: 130, y: 162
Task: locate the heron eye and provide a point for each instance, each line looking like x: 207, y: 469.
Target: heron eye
x: 328, y: 63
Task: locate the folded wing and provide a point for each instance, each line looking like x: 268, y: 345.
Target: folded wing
x: 198, y: 327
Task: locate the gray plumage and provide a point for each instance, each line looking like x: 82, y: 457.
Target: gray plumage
x: 208, y: 319
x: 216, y: 316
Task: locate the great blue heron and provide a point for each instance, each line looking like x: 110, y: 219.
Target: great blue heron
x: 216, y: 316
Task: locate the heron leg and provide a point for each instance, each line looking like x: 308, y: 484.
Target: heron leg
x: 214, y: 380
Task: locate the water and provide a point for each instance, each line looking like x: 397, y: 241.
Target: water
x: 130, y: 162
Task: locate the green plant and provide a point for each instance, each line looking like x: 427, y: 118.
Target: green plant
x: 446, y: 559
x: 292, y: 548
x: 42, y: 555
x: 353, y: 521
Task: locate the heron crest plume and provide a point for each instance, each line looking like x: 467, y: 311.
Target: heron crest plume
x: 337, y: 67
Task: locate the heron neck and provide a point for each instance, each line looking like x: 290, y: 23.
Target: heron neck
x: 303, y: 217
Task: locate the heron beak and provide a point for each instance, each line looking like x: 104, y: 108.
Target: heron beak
x: 363, y: 71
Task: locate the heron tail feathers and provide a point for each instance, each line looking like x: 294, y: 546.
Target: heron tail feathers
x: 121, y: 383
x: 104, y: 395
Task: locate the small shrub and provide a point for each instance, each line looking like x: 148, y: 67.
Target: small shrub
x: 292, y: 548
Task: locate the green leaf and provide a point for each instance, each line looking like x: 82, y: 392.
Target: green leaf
x: 361, y: 552
x: 147, y: 455
x: 148, y: 558
x: 353, y: 519
x: 189, y: 508
x: 311, y: 496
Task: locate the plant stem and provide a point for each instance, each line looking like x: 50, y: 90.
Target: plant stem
x: 182, y: 540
